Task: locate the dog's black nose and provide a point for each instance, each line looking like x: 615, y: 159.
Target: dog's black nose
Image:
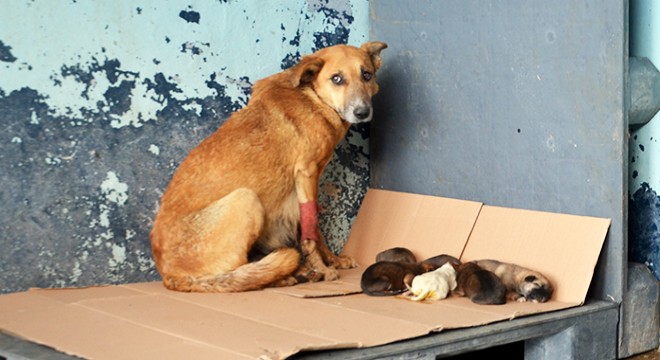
x: 362, y: 112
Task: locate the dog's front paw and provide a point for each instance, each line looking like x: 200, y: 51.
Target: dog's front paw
x: 310, y: 275
x: 319, y: 274
x: 316, y: 275
x: 330, y: 274
x: 514, y: 296
x: 344, y: 262
x: 314, y: 261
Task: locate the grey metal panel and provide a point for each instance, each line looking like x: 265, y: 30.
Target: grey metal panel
x: 513, y: 103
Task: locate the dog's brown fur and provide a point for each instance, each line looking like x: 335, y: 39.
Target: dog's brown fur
x: 229, y: 219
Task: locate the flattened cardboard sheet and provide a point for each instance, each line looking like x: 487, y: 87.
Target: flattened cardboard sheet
x: 427, y: 225
x: 564, y: 248
x: 138, y: 321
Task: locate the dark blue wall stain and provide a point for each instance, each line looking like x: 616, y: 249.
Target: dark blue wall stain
x: 644, y: 228
x: 87, y: 73
x: 194, y: 48
x: 5, y: 53
x: 190, y: 16
x: 340, y: 34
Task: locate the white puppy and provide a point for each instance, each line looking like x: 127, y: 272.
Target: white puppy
x: 433, y: 285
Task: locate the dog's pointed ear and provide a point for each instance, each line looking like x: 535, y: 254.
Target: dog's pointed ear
x: 373, y: 49
x: 306, y: 70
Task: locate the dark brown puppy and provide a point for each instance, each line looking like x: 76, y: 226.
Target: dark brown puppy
x: 397, y: 254
x: 438, y: 261
x: 387, y: 278
x: 481, y: 286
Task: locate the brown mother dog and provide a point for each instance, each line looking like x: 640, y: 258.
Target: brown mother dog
x: 243, y: 203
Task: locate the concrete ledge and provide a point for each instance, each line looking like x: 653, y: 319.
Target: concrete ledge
x: 593, y: 318
x: 640, y: 312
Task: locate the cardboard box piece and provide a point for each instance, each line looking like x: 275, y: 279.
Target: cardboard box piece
x: 139, y: 321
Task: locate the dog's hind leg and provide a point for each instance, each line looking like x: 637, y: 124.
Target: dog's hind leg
x: 212, y: 255
x: 225, y: 230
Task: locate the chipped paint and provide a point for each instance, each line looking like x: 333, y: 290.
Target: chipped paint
x: 114, y: 190
x: 154, y: 149
x: 644, y: 222
x: 644, y: 202
x: 100, y: 104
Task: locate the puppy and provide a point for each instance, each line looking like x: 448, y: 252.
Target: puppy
x: 387, y: 278
x: 395, y: 269
x: 440, y: 260
x: 434, y: 285
x: 522, y: 284
x: 241, y: 207
x: 397, y: 254
x: 481, y: 286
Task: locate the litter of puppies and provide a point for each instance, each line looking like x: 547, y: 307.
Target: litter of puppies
x: 487, y: 282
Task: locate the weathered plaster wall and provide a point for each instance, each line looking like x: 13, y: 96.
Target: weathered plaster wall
x: 101, y: 100
x: 644, y: 209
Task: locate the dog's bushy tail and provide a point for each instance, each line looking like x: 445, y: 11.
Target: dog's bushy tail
x: 251, y: 276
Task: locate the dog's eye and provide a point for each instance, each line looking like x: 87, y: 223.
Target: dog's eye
x: 366, y: 76
x: 337, y: 79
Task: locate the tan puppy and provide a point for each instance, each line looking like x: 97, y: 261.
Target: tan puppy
x: 522, y: 284
x: 242, y: 205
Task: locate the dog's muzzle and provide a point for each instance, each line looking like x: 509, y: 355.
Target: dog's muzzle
x: 358, y: 113
x: 362, y: 113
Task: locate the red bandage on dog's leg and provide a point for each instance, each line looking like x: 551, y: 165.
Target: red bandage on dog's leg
x: 309, y: 221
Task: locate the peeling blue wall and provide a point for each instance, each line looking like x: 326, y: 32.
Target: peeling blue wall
x: 101, y: 100
x: 644, y: 203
